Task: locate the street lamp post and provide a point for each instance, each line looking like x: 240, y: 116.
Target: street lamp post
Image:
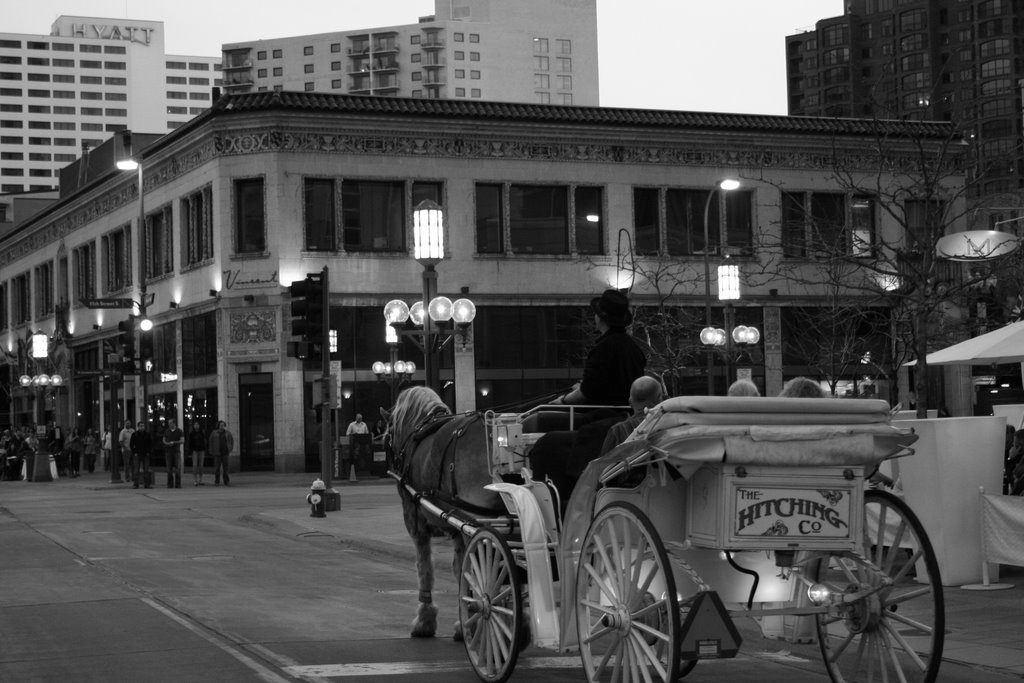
x: 742, y: 335
x: 394, y: 370
x: 40, y: 352
x: 132, y: 162
x: 724, y: 185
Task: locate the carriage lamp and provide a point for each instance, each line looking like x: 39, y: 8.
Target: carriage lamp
x: 818, y: 593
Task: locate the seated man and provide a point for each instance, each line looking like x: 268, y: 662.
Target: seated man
x: 561, y: 456
x: 645, y: 392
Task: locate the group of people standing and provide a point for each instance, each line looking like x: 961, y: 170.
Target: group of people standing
x: 137, y: 446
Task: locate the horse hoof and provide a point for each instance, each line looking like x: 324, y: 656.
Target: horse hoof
x: 422, y: 633
x: 457, y: 636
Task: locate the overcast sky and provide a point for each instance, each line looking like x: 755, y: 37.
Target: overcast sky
x: 707, y: 55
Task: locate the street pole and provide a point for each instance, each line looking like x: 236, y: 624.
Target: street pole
x: 142, y: 301
x: 431, y: 369
x: 707, y: 292
x: 332, y: 499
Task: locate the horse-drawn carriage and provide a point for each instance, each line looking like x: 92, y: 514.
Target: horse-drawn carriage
x: 713, y: 509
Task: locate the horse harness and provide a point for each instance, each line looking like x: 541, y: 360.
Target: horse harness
x: 449, y: 429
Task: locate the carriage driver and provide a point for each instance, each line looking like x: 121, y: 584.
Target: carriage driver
x: 616, y: 359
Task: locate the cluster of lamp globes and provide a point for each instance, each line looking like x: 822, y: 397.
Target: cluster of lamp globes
x: 741, y: 334
x: 441, y: 310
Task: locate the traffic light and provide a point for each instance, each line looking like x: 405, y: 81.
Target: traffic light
x: 308, y: 307
x: 126, y: 336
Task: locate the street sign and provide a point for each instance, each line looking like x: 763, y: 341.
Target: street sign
x: 91, y: 373
x: 108, y: 303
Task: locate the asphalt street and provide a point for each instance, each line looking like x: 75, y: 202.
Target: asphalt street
x: 101, y: 582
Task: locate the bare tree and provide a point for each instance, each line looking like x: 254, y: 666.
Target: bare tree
x: 912, y: 177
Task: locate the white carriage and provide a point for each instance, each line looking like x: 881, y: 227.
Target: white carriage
x: 714, y: 508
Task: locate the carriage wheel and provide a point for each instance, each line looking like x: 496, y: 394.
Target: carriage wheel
x: 895, y: 634
x: 627, y: 610
x: 490, y: 606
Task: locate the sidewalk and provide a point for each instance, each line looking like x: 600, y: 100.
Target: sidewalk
x: 983, y: 628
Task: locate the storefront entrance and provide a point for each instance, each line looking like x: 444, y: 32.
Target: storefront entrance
x: 256, y: 422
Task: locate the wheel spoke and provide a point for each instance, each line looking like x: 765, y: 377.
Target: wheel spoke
x: 904, y: 645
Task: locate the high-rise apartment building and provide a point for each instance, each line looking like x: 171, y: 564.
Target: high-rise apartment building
x: 85, y: 80
x: 539, y: 51
x: 949, y: 60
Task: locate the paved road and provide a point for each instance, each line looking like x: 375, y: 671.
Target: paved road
x: 100, y: 582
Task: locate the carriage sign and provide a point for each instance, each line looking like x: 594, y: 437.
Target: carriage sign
x: 791, y: 512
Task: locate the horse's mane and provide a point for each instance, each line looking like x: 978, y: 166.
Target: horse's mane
x: 412, y: 405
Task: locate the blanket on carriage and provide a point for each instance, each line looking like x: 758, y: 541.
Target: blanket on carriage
x: 690, y: 431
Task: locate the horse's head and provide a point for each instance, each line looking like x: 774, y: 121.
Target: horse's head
x: 412, y: 407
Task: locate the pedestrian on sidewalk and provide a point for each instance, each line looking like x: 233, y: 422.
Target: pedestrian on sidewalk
x: 197, y: 450
x: 74, y: 448
x: 172, y: 454
x: 124, y: 440
x: 91, y: 446
x: 141, y: 446
x: 220, y: 445
x: 106, y: 447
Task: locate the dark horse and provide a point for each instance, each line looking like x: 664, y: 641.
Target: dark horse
x: 443, y: 456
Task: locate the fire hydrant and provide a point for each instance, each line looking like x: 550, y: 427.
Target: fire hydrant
x: 317, y: 499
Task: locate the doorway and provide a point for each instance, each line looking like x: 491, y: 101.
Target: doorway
x: 256, y: 422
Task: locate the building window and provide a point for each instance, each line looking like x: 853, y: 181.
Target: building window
x: 564, y: 46
x: 490, y: 222
x: 250, y: 216
x: 543, y: 97
x: 199, y: 335
x: 159, y: 244
x: 373, y: 215
x: 474, y: 37
x: 278, y: 71
x: 459, y: 37
x: 307, y: 68
x: 588, y: 209
x: 307, y: 50
x: 541, y: 63
x: 541, y: 81
x: 262, y: 54
x: 319, y: 217
x: 474, y: 56
x: 117, y: 260
x: 84, y: 263
x: 460, y: 92
x: 44, y: 290
x: 460, y: 55
x: 474, y: 75
x: 197, y: 227
x: 276, y: 54
x: 671, y: 221
x: 540, y: 46
x: 21, y: 309
x: 475, y: 92
x: 816, y: 223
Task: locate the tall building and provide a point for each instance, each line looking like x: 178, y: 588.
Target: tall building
x: 541, y: 51
x: 950, y: 60
x: 90, y: 77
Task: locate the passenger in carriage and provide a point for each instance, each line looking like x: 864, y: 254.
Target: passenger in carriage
x: 802, y: 387
x: 646, y: 392
x: 616, y: 359
x: 743, y: 387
